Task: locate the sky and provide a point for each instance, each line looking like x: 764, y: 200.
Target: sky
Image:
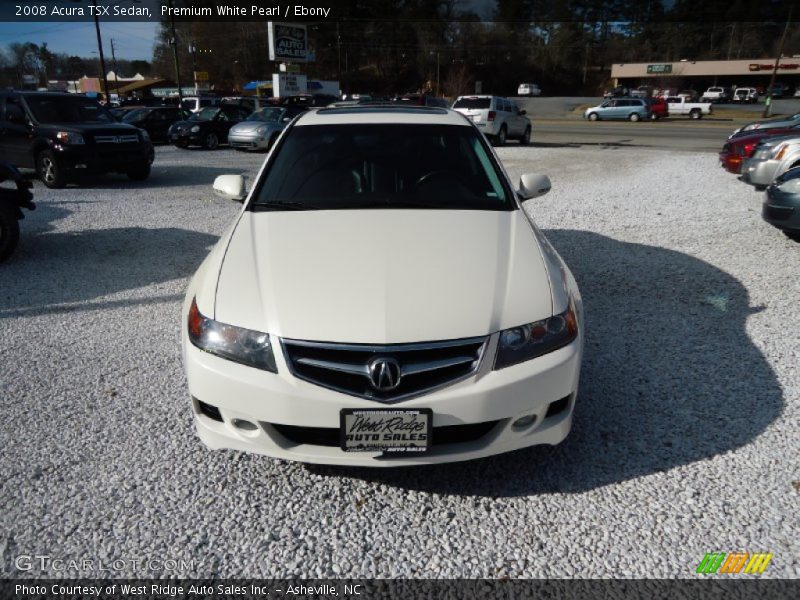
x: 133, y: 40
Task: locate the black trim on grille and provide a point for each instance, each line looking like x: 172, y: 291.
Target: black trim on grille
x: 329, y: 436
x: 777, y: 213
x: 557, y: 407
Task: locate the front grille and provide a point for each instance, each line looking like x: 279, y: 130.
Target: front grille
x: 117, y: 139
x: 385, y: 373
x: 776, y: 213
x: 327, y: 436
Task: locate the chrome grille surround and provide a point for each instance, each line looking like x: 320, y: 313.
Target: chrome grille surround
x: 116, y: 139
x: 424, y: 367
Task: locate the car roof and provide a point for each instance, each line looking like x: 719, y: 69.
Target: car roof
x: 377, y: 114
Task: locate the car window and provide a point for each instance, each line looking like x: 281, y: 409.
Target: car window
x: 60, y: 109
x: 14, y: 111
x: 267, y: 115
x: 472, y: 102
x: 135, y: 115
x: 384, y: 166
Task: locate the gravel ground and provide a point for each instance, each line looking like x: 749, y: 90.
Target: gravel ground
x: 685, y: 439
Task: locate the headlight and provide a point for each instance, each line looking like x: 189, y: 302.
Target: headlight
x: 145, y: 135
x: 525, y: 342
x: 790, y: 186
x: 262, y: 130
x: 195, y: 128
x: 68, y: 137
x: 245, y: 346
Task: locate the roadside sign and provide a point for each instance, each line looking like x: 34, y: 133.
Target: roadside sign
x: 288, y: 84
x: 287, y: 42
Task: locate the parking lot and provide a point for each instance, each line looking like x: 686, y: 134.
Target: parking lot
x: 685, y: 440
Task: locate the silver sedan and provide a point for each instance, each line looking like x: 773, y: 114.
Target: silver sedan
x: 260, y: 130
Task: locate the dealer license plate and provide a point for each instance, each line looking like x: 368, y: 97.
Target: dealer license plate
x: 386, y: 430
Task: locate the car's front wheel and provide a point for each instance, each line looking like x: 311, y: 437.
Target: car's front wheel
x: 9, y: 230
x: 211, y: 141
x: 526, y: 137
x: 50, y: 170
x: 593, y: 116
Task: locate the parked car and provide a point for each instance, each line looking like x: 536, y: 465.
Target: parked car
x: 197, y: 103
x: 797, y: 92
x: 13, y: 198
x: 767, y: 124
x: 643, y: 91
x: 690, y: 95
x: 63, y: 135
x: 207, y: 128
x: 380, y: 370
x: 772, y: 157
x: 260, y: 129
x: 736, y: 150
x: 781, y: 206
x: 528, y: 89
x: 156, y: 121
x: 498, y: 118
x: 422, y: 100
x: 629, y: 109
x: 308, y: 100
x: 748, y: 95
x: 715, y: 95
x: 777, y: 90
x: 659, y: 109
x: 678, y: 106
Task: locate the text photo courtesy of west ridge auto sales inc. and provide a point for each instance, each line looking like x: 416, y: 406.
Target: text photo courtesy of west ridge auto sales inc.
x: 334, y: 299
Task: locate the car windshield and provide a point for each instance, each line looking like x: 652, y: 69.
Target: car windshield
x: 383, y: 166
x: 135, y: 115
x: 60, y: 109
x: 207, y: 114
x: 473, y: 103
x: 268, y: 115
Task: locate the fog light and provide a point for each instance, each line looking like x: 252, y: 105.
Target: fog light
x: 524, y: 422
x: 244, y: 425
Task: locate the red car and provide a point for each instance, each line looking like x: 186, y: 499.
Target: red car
x: 659, y: 108
x: 737, y: 149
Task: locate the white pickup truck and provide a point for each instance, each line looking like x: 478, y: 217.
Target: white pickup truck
x: 677, y: 105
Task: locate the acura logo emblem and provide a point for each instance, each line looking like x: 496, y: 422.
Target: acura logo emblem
x: 384, y: 374
x: 117, y: 140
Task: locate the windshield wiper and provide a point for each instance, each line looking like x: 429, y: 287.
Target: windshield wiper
x: 276, y: 205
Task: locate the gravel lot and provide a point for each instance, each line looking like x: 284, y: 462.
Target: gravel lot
x: 686, y: 434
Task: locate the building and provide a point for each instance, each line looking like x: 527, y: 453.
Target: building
x: 701, y: 74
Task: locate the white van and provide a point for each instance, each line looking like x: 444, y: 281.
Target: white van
x: 528, y: 89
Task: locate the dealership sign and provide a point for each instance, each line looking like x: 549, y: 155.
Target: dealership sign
x: 288, y: 42
x: 763, y: 67
x: 659, y: 69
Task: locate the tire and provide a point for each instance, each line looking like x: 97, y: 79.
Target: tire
x: 211, y: 141
x: 653, y: 117
x: 634, y: 117
x: 526, y: 137
x: 181, y: 145
x: 500, y: 138
x: 695, y: 114
x: 139, y: 173
x: 9, y: 230
x: 792, y: 234
x: 593, y: 116
x: 760, y: 188
x: 49, y: 170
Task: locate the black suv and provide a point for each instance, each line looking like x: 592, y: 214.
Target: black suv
x: 63, y: 135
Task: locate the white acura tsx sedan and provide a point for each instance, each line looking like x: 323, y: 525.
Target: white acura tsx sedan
x: 383, y: 300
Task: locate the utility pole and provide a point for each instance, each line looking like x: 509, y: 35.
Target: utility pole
x: 768, y: 102
x: 193, y: 52
x: 116, y: 73
x: 100, y: 49
x: 175, y: 54
x: 437, y: 73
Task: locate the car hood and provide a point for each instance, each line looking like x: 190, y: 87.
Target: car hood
x: 251, y: 126
x: 382, y: 276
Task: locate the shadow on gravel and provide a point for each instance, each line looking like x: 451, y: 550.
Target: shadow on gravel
x: 53, y: 269
x: 165, y: 176
x: 670, y: 377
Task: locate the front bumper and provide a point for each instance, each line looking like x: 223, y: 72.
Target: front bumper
x: 248, y: 141
x: 90, y: 159
x: 544, y: 387
x: 781, y: 210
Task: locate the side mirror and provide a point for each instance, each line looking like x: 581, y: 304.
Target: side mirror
x: 533, y: 185
x: 523, y: 112
x: 230, y: 187
x: 286, y: 119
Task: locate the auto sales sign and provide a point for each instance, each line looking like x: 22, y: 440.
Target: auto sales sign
x: 288, y: 42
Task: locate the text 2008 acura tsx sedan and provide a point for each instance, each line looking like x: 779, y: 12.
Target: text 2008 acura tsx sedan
x: 382, y: 300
